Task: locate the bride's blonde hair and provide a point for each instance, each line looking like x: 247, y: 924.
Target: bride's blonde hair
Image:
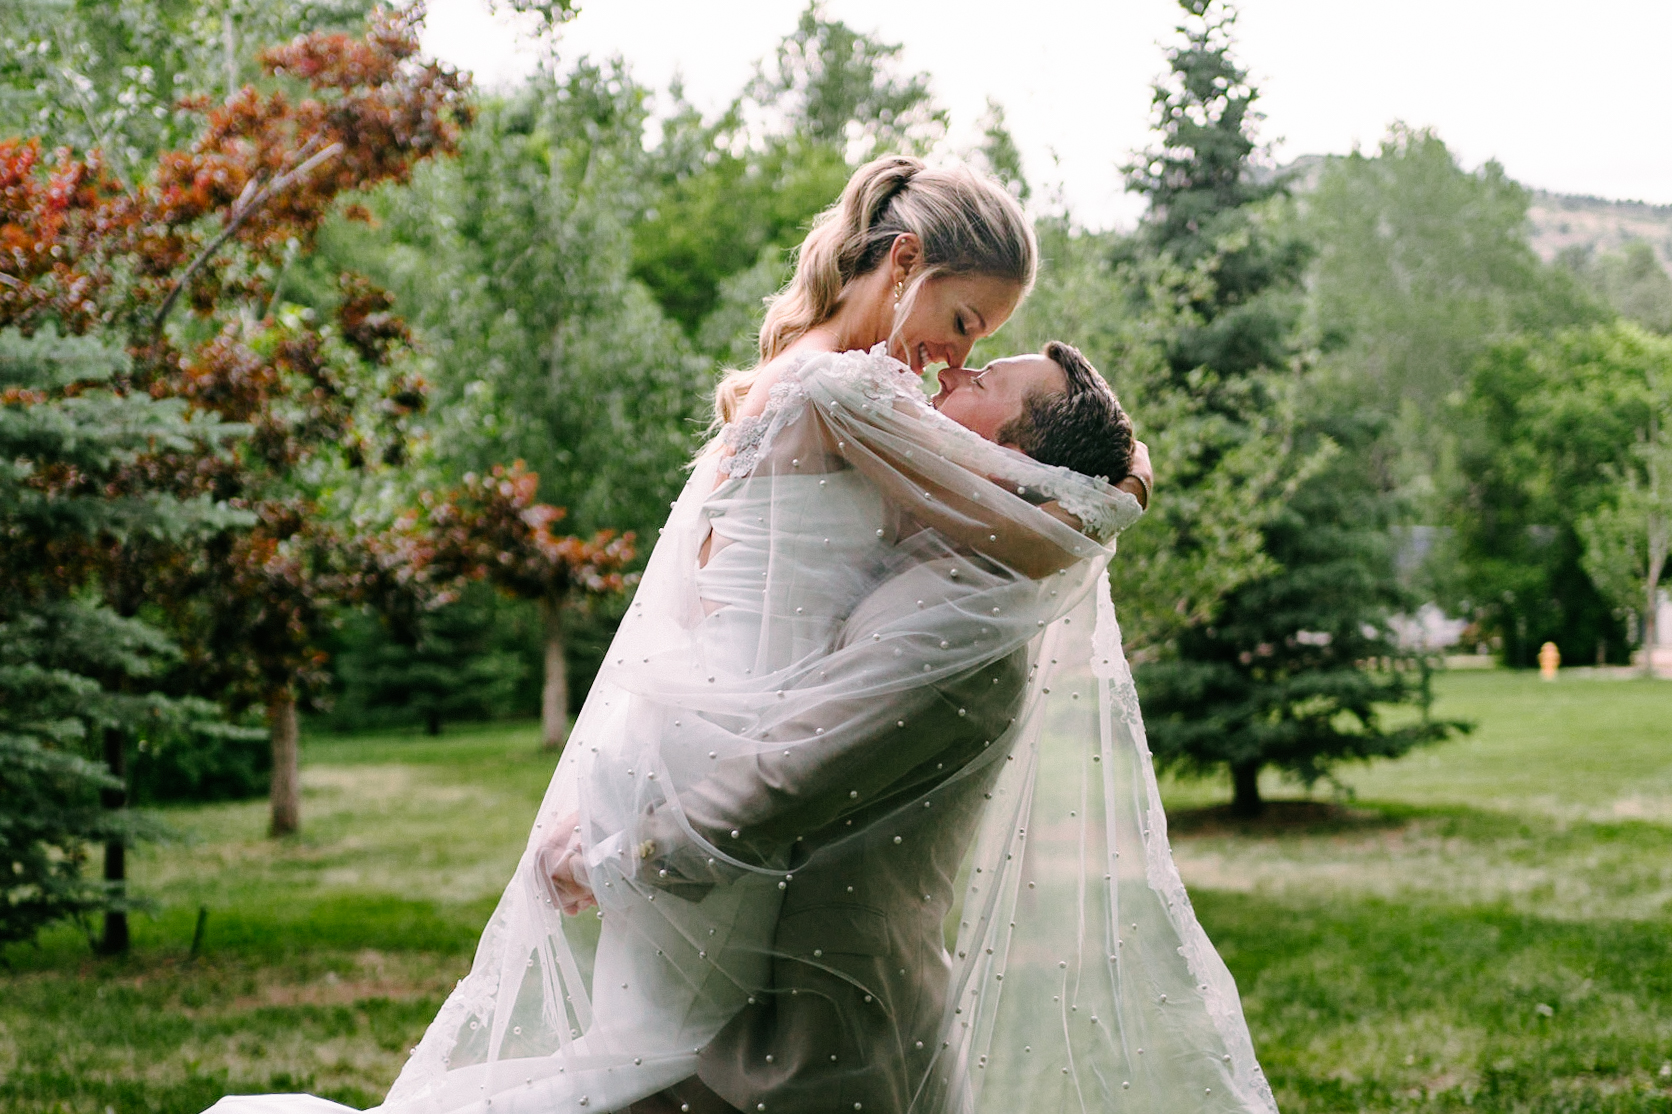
x: 968, y: 224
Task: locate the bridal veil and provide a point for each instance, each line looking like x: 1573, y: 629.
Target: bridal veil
x: 863, y: 793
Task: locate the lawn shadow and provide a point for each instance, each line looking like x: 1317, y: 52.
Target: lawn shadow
x: 1284, y: 817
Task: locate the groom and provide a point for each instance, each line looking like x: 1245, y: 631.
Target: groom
x: 860, y: 971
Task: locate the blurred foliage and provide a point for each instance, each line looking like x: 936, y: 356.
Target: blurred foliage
x: 1630, y: 280
x: 1421, y: 266
x: 1566, y: 476
x: 742, y: 189
x: 471, y: 659
x: 513, y: 262
x: 123, y: 76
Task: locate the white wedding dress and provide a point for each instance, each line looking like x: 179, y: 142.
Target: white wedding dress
x: 892, y: 698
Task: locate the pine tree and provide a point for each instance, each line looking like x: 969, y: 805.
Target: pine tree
x: 72, y: 671
x: 1273, y: 671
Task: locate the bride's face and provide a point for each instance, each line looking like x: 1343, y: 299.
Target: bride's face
x: 949, y: 314
x: 984, y: 401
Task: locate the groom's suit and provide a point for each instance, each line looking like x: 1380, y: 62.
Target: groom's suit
x: 860, y: 969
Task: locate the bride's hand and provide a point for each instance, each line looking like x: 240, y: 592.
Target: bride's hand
x: 1140, y: 476
x: 563, y: 865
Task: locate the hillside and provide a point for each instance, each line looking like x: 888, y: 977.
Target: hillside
x: 1558, y: 220
x: 1563, y: 221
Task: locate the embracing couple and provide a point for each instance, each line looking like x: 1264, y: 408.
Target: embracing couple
x: 864, y: 747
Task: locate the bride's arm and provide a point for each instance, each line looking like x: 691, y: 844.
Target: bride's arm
x: 859, y: 413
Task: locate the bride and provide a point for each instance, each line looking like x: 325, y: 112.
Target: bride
x: 870, y: 684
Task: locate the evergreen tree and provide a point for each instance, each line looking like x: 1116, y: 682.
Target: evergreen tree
x: 1286, y: 674
x: 1204, y: 186
x: 1273, y: 672
x: 444, y: 664
x: 74, y: 674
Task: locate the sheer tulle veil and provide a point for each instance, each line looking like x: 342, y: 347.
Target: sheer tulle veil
x: 864, y: 795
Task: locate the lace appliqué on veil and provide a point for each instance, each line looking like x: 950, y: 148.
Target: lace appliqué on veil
x: 875, y: 374
x: 744, y: 437
x: 1102, y: 515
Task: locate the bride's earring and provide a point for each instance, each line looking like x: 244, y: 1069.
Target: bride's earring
x: 899, y: 289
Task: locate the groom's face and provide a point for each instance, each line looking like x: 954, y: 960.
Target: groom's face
x: 985, y: 400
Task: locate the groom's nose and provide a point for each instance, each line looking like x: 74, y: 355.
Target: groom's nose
x: 950, y: 379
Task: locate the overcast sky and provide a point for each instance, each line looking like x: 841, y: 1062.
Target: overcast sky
x: 1569, y: 96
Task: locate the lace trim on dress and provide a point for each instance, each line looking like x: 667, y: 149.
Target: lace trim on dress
x: 743, y: 440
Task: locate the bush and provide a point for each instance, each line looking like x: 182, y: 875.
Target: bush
x: 224, y: 765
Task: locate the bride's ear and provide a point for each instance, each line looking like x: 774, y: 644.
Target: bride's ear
x: 905, y: 256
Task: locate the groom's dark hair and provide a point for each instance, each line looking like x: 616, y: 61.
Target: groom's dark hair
x: 1083, y: 428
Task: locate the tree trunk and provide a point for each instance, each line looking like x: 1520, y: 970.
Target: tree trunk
x: 287, y: 789
x: 1658, y: 531
x: 554, y: 695
x: 1651, y: 631
x: 229, y: 52
x: 432, y: 722
x: 115, y: 940
x: 1245, y: 789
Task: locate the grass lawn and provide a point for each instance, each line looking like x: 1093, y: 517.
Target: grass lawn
x: 1487, y: 924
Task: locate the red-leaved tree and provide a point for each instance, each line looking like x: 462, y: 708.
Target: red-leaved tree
x: 207, y: 233
x: 490, y: 528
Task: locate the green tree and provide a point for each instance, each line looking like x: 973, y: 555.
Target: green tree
x: 1534, y: 461
x: 1420, y: 267
x: 431, y: 664
x: 1630, y: 280
x: 113, y: 75
x: 513, y: 262
x: 739, y: 191
x: 1282, y: 675
x: 1564, y: 515
x: 76, y: 678
x: 839, y: 88
x: 1266, y: 667
x: 998, y: 153
x: 1422, y: 272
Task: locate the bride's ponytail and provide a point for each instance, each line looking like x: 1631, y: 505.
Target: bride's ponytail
x: 819, y: 271
x: 967, y: 224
